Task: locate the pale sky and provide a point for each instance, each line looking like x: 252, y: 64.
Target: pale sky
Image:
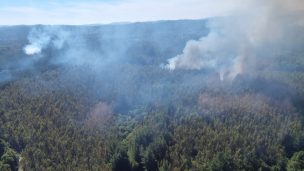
x: 77, y: 12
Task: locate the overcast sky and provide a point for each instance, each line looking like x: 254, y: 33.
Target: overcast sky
x: 77, y: 12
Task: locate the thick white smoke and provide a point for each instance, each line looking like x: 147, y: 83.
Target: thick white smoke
x: 42, y: 37
x: 32, y: 49
x: 236, y: 44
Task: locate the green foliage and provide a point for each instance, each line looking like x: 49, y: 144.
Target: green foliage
x: 69, y: 129
x: 120, y: 161
x: 222, y: 162
x: 8, y: 157
x: 296, y: 163
x: 68, y: 118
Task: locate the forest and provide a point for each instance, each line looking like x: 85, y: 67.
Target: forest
x: 100, y: 98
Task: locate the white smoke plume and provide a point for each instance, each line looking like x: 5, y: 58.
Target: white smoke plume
x: 42, y: 37
x: 237, y: 44
x: 32, y: 49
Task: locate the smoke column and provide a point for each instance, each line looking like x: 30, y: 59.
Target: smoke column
x: 42, y: 37
x: 237, y: 44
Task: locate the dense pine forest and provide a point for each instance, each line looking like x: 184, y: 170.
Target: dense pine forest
x: 100, y: 97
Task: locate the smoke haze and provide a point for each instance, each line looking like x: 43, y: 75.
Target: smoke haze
x: 41, y: 38
x: 117, y: 60
x: 239, y: 43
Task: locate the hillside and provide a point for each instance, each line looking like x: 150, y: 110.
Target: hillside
x: 99, y: 97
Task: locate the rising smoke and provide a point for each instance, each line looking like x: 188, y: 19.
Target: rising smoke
x: 238, y: 44
x: 41, y: 38
x: 121, y: 62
